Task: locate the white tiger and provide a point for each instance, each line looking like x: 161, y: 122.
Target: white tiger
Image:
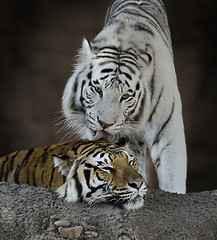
x: 124, y: 85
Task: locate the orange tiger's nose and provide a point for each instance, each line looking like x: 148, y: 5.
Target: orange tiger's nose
x: 136, y: 184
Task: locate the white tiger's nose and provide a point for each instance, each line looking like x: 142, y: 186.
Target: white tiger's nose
x: 104, y: 124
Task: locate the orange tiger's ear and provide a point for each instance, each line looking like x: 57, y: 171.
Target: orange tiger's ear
x: 121, y: 142
x: 62, y: 163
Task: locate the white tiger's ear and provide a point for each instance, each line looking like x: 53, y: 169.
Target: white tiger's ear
x: 86, y: 49
x: 61, y: 162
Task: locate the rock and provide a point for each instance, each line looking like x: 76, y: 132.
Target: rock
x: 124, y: 237
x: 92, y: 222
x: 62, y: 223
x: 71, y: 233
x: 26, y: 213
x: 91, y: 234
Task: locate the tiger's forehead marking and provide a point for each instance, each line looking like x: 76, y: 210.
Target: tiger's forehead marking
x: 115, y: 74
x: 109, y: 156
x: 118, y: 155
x: 112, y: 54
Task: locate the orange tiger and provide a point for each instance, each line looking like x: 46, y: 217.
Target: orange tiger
x: 79, y: 170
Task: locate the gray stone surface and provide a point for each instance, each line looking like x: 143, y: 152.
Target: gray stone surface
x: 29, y: 213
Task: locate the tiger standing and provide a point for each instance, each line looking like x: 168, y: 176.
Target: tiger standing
x: 125, y: 85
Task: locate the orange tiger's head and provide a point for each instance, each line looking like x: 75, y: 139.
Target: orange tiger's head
x: 102, y: 172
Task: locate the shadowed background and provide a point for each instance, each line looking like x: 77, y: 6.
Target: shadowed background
x: 39, y: 41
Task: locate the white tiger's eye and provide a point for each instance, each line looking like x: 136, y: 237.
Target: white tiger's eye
x: 125, y: 96
x: 98, y: 90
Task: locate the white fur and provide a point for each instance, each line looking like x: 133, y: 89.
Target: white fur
x: 171, y: 148
x: 59, y: 163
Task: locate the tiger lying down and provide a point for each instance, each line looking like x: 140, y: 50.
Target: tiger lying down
x: 79, y: 170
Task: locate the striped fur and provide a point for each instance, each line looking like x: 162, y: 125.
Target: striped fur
x: 125, y: 85
x: 79, y: 170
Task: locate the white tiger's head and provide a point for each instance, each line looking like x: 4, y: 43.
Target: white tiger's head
x: 107, y: 95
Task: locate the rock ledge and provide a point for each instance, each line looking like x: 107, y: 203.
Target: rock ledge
x: 30, y: 213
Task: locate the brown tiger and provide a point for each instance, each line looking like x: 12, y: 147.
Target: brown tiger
x: 79, y: 170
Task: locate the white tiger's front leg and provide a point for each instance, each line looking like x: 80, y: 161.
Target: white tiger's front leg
x: 169, y: 158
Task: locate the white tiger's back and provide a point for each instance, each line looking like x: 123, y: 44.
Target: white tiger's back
x: 147, y: 9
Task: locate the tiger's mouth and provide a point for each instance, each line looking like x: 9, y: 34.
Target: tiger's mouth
x: 101, y: 135
x: 135, y: 202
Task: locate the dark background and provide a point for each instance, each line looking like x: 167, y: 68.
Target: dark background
x: 38, y: 43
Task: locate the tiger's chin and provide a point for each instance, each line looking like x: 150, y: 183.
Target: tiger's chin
x: 134, y: 204
x: 128, y: 204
